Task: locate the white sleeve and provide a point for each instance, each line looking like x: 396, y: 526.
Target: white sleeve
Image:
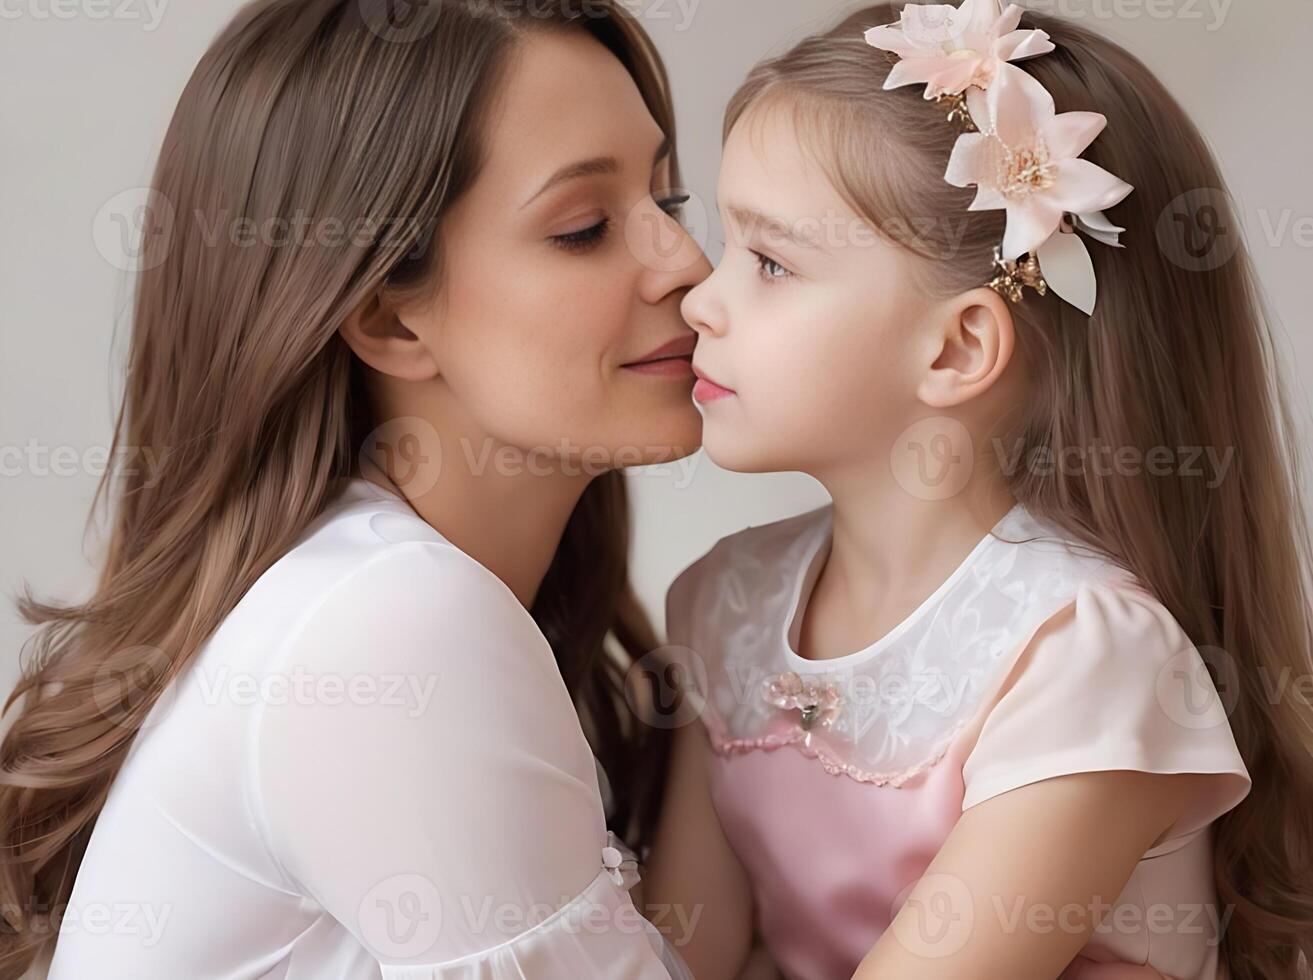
x: 426, y: 781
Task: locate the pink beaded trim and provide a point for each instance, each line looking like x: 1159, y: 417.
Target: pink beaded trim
x: 801, y: 739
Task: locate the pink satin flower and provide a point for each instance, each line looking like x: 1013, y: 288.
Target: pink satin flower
x: 818, y: 702
x: 1025, y: 159
x: 951, y: 49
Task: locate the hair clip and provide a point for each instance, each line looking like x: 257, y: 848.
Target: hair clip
x: 1013, y: 275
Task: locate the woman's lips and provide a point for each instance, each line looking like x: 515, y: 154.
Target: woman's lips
x: 707, y: 390
x: 672, y: 360
x: 672, y: 367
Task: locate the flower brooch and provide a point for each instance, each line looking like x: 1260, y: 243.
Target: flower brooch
x: 1019, y: 152
x: 815, y: 701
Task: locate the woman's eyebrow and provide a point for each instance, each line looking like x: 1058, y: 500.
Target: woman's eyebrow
x: 592, y: 167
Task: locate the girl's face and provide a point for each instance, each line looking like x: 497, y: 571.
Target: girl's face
x: 564, y: 265
x: 805, y: 329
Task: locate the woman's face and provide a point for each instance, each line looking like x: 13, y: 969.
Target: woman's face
x: 808, y: 323
x: 564, y: 268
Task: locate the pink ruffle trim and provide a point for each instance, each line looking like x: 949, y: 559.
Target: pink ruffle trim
x: 798, y: 738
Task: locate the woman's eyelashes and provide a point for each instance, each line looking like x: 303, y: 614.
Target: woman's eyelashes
x: 674, y: 205
x: 593, y: 235
x: 584, y: 239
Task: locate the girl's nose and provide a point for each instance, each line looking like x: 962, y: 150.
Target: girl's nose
x: 703, y: 309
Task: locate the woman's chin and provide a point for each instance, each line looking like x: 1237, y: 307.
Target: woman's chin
x: 678, y: 435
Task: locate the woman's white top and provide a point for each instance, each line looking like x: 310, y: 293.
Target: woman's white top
x: 372, y: 769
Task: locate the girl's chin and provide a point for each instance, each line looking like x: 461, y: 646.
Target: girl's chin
x: 734, y: 453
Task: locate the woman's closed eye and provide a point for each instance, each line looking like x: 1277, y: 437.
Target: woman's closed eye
x: 584, y: 238
x: 593, y: 235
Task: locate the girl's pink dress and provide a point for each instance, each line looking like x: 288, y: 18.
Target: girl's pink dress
x: 837, y: 781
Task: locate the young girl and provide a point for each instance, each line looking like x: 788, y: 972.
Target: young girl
x: 1029, y: 698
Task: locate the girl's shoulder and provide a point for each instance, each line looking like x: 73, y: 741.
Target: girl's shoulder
x: 745, y: 573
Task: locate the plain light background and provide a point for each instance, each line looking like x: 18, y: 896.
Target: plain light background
x: 85, y: 99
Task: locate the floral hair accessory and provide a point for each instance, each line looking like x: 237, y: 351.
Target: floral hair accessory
x: 1021, y: 155
x: 950, y: 48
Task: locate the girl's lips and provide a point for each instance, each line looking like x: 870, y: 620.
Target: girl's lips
x: 707, y: 390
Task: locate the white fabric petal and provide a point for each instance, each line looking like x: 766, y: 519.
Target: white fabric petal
x: 969, y: 163
x: 978, y: 109
x: 953, y: 77
x: 979, y: 17
x: 889, y: 38
x: 919, y: 70
x: 1020, y: 45
x: 1069, y: 133
x: 1065, y: 262
x: 1008, y: 20
x: 1097, y: 226
x: 931, y: 26
x: 987, y: 199
x: 1081, y: 186
x: 1030, y: 223
x: 1019, y: 105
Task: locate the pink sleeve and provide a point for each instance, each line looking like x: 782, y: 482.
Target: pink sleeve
x: 1110, y: 682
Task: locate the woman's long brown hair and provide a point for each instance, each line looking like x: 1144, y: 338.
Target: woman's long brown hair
x: 1178, y: 355
x: 336, y: 110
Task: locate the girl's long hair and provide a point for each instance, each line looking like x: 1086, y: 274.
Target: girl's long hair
x: 365, y: 121
x: 1178, y: 356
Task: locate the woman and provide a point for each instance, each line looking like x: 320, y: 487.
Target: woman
x: 418, y: 299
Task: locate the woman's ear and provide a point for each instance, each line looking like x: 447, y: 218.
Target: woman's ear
x: 377, y: 335
x: 974, y: 346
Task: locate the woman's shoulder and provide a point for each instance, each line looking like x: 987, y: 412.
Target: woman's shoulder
x: 392, y: 592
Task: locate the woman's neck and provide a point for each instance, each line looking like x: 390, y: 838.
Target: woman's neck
x: 506, y: 511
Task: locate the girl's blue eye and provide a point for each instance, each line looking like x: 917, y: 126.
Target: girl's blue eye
x: 585, y: 238
x: 771, y: 271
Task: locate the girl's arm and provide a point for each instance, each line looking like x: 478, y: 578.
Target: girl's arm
x: 695, y: 890
x: 1024, y: 877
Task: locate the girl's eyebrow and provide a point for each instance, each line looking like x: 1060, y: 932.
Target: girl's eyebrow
x: 750, y: 219
x: 592, y: 167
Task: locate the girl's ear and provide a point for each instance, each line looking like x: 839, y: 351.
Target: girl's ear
x: 974, y: 345
x: 378, y: 336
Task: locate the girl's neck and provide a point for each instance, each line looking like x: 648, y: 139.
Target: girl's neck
x: 889, y: 551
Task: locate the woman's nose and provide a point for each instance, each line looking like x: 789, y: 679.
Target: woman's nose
x: 671, y: 258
